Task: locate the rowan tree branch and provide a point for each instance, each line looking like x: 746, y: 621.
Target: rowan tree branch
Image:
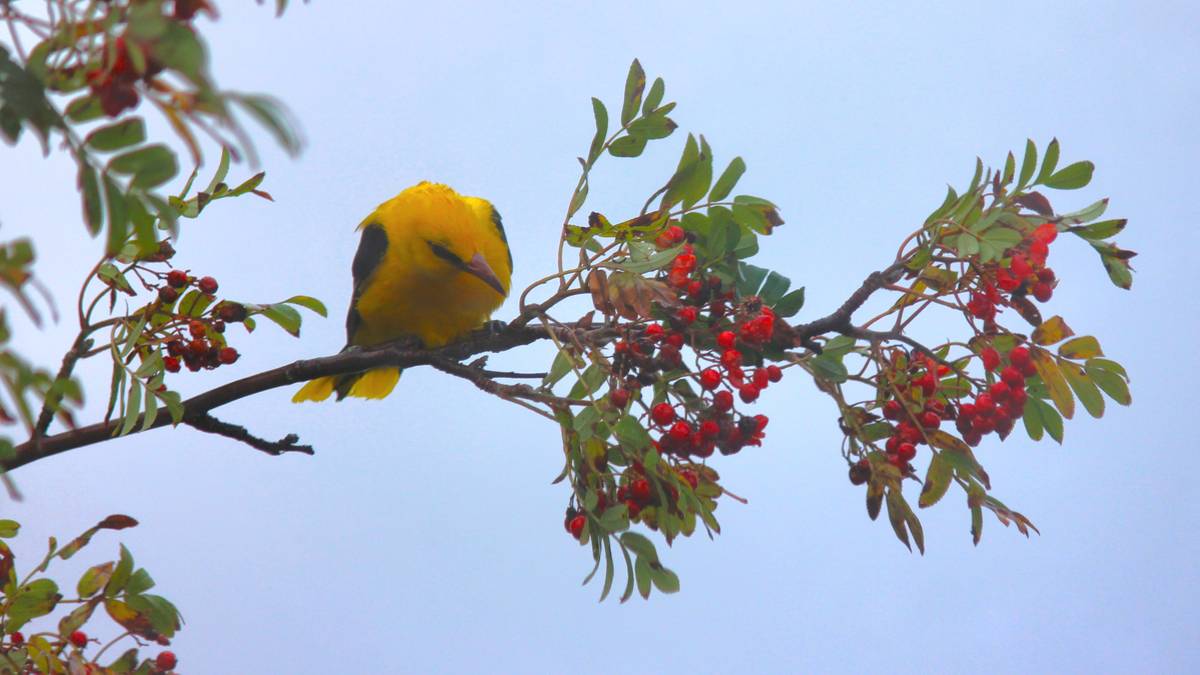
x: 403, y: 355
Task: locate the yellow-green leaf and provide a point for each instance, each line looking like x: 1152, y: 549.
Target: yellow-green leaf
x: 1080, y: 348
x: 1109, y: 380
x: 937, y: 481
x: 1051, y: 331
x: 1056, y: 384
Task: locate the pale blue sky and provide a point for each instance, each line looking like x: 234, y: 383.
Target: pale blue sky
x: 425, y: 535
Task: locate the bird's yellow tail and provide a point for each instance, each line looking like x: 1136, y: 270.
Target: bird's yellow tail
x: 377, y: 383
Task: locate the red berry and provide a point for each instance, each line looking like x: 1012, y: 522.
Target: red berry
x: 1019, y: 266
x: 662, y: 414
x: 207, y: 285
x: 1017, y: 396
x: 1004, y: 426
x: 906, y: 451
x: 576, y: 525
x: 760, y: 378
x: 726, y: 339
x: 1046, y: 232
x: 967, y: 411
x: 177, y: 278
x: 1012, y: 377
x: 723, y: 401
x: 688, y: 315
x: 168, y: 294
x: 710, y: 378
x: 228, y: 355
x: 931, y: 420
x: 17, y: 638
x: 633, y: 507
x: 619, y: 398
x: 972, y: 438
x: 79, y: 639
x: 1028, y: 369
x: 675, y: 234
x: 678, y: 278
x: 1046, y: 274
x: 640, y: 490
x: 197, y: 328
x: 198, y: 348
x: 691, y: 477
x: 731, y: 358
x: 892, y: 410
x: 1000, y: 391
x: 681, y: 431
x: 774, y: 373
x: 990, y: 358
x: 761, y: 421
x: 675, y: 339
x: 893, y: 444
x: 171, y: 363
x: 1042, y: 291
x: 1038, y: 250
x: 167, y: 660
x: 748, y: 392
x: 1006, y: 280
x: 710, y: 429
x: 694, y: 287
x: 654, y: 331
x: 1019, y: 356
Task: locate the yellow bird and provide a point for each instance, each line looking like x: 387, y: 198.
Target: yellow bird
x: 432, y: 264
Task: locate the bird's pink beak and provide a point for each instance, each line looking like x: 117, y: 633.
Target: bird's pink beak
x: 478, y: 267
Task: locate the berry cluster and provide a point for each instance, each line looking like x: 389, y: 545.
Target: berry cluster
x: 196, y: 342
x: 1003, y: 403
x: 918, y: 415
x: 114, y: 82
x: 1025, y: 273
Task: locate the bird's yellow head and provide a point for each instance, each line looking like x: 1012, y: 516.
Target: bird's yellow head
x: 445, y: 233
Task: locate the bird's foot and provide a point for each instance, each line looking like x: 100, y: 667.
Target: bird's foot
x: 494, y: 327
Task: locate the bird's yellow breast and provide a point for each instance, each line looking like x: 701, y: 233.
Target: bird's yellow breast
x: 413, y: 292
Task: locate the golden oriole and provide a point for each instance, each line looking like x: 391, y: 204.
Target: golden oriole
x: 432, y: 264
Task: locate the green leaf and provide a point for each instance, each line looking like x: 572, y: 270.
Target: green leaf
x: 601, y: 115
x: 309, y: 303
x: 829, y: 368
x: 664, y: 579
x: 635, y: 83
x: 896, y: 517
x: 150, y: 166
x: 1033, y: 422
x: 118, y: 218
x: 559, y: 368
x: 790, y: 304
x: 84, y: 109
x: 653, y: 127
x: 116, y: 136
x: 1028, y: 164
x: 222, y: 171
x: 589, y: 382
x: 1086, y: 214
x: 180, y: 50
x: 1049, y: 161
x: 937, y: 481
x: 750, y: 279
x: 37, y: 598
x: 1101, y: 230
x: 692, y: 175
x: 1111, y: 381
x: 1085, y: 390
x: 9, y: 529
x: 75, y: 620
x: 1010, y: 164
x: 1072, y: 177
x: 640, y: 545
x: 642, y: 571
x: 727, y: 181
x: 89, y: 190
x: 773, y: 288
x: 133, y: 406
x: 632, y: 434
x: 284, y: 316
x: 627, y: 146
x: 967, y: 244
x: 1049, y: 417
x: 271, y: 114
x: 654, y: 97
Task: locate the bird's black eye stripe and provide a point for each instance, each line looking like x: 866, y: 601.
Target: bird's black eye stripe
x: 445, y: 254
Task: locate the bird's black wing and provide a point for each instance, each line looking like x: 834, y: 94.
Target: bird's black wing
x: 503, y: 237
x: 371, y: 249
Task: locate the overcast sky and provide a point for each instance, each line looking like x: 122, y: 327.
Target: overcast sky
x: 425, y: 535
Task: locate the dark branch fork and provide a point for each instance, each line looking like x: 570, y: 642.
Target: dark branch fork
x: 448, y: 359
